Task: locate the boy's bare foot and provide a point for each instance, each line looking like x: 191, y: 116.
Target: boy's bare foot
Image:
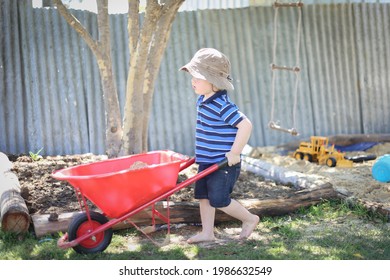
x: 249, y: 227
x: 201, y: 237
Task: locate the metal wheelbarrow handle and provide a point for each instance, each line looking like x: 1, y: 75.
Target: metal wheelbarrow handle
x: 201, y: 174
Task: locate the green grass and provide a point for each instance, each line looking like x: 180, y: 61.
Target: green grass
x: 332, y: 230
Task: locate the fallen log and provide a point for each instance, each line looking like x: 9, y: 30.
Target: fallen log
x: 14, y: 215
x: 188, y: 212
x: 350, y: 139
x: 373, y: 207
x: 341, y: 140
x: 284, y: 205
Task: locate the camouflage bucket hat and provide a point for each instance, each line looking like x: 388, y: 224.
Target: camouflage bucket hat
x: 211, y: 65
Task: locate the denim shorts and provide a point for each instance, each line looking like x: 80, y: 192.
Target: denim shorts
x: 217, y: 186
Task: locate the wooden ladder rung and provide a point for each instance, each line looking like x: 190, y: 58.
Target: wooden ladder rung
x: 288, y: 5
x: 275, y: 126
x: 294, y: 68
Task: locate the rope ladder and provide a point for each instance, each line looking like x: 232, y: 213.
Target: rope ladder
x: 294, y: 69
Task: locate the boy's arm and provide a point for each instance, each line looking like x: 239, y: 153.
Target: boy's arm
x: 242, y: 138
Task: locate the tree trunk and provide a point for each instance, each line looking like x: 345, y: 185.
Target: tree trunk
x: 102, y: 52
x: 146, y: 47
x: 111, y: 100
x: 14, y: 215
x: 133, y: 113
x: 158, y: 47
x: 112, y: 112
x: 133, y: 124
x: 145, y: 60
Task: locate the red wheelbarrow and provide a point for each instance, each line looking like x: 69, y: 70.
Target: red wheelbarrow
x: 121, y: 188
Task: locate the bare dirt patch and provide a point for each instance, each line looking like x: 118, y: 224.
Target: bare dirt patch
x: 354, y: 183
x: 44, y: 194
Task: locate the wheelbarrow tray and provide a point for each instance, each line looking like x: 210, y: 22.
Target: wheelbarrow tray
x: 116, y: 189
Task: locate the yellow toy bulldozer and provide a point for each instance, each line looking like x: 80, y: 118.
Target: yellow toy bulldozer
x: 318, y: 150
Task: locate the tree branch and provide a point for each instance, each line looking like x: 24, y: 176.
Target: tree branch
x: 161, y: 34
x: 73, y: 21
x: 152, y: 15
x: 139, y: 55
x: 133, y: 25
x: 157, y: 48
x: 103, y: 26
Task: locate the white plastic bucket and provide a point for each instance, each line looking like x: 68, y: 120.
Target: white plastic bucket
x: 381, y: 169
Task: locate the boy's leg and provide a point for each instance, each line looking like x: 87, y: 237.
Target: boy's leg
x: 249, y: 220
x: 207, y: 216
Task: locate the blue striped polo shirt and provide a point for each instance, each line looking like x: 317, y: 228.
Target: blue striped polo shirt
x: 217, y: 118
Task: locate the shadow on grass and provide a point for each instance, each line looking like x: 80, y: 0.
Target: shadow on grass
x: 310, y: 235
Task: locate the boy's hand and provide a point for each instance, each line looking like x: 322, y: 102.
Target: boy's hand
x: 233, y: 158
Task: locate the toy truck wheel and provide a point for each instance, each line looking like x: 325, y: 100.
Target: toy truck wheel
x: 298, y: 156
x: 331, y: 162
x: 80, y: 225
x: 308, y: 157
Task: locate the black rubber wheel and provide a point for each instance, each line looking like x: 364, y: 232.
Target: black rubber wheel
x: 308, y: 157
x: 80, y: 226
x: 331, y: 162
x: 298, y: 156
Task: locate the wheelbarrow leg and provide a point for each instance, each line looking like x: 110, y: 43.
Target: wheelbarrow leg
x: 150, y: 229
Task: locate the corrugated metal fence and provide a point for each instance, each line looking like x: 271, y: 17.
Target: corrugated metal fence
x: 51, y: 97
